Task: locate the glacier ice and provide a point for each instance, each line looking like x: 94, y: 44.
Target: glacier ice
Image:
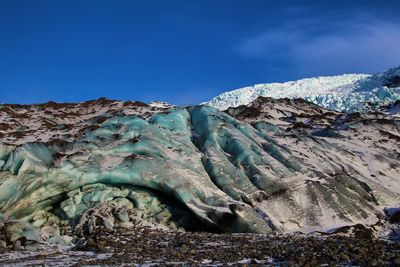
x: 348, y: 92
x: 271, y: 166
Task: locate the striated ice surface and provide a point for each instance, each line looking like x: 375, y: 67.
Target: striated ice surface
x: 348, y: 92
x: 271, y: 166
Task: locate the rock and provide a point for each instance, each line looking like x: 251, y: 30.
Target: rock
x: 393, y: 214
x: 31, y: 247
x: 396, y: 261
x: 109, y: 224
x: 67, y: 239
x: 18, y: 245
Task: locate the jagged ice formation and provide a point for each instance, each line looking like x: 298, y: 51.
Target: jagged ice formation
x: 348, y: 92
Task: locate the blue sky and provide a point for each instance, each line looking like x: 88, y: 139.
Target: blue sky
x: 185, y: 52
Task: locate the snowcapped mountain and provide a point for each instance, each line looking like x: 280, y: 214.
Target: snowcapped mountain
x: 348, y: 92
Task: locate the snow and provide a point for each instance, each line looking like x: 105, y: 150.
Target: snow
x: 348, y: 92
x: 56, y: 121
x: 160, y: 104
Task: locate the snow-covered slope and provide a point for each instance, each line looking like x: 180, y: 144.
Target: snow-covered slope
x: 348, y: 92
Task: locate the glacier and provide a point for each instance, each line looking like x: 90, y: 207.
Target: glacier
x: 348, y: 92
x: 272, y: 166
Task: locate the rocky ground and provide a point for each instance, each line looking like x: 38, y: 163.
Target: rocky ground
x: 144, y: 246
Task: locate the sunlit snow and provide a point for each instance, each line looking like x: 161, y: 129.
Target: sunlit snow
x: 348, y: 92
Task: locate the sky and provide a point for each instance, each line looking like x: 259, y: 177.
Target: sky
x: 185, y: 52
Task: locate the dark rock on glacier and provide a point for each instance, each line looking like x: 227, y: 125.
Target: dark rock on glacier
x: 393, y: 214
x: 271, y: 166
x: 393, y: 82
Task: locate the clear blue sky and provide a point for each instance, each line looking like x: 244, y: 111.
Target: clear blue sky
x: 185, y: 52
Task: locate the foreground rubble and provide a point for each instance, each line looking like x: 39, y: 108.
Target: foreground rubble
x: 151, y: 247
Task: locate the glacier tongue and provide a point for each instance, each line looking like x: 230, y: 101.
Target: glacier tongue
x: 271, y: 166
x: 348, y: 92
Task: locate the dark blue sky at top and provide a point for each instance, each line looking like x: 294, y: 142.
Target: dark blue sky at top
x: 185, y: 52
